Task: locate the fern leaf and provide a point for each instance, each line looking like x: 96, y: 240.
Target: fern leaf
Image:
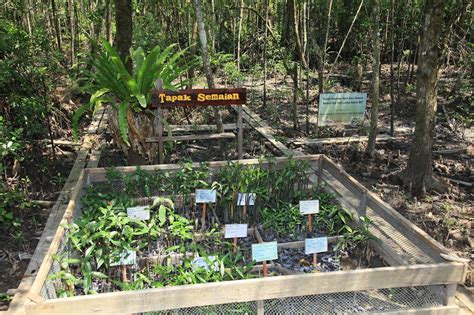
x: 75, y: 118
x: 123, y: 124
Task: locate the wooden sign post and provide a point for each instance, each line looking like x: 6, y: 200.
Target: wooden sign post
x: 128, y: 257
x: 309, y: 207
x: 315, y: 246
x: 235, y: 231
x: 162, y: 99
x: 265, y: 251
x: 205, y: 196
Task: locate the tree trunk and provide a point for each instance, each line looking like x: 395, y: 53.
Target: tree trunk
x: 205, y: 59
x: 57, y: 29
x: 123, y: 37
x: 239, y: 32
x: 374, y: 112
x: 418, y: 175
x: 265, y: 56
x: 299, y: 47
x: 295, y: 97
x: 140, y: 126
x: 322, y: 57
x: 192, y: 52
x: 392, y: 60
x: 27, y: 13
x: 72, y: 31
x: 108, y: 21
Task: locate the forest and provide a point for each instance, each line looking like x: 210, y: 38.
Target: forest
x: 79, y: 84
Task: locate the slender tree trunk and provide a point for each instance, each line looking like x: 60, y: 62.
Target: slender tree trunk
x: 376, y: 79
x: 323, y: 52
x: 265, y: 56
x: 193, y: 53
x: 239, y: 32
x: 295, y: 97
x: 77, y: 43
x: 299, y: 47
x: 347, y: 35
x: 205, y: 59
x: 72, y: 30
x: 123, y: 37
x: 27, y: 13
x: 108, y: 21
x: 214, y: 26
x: 392, y: 59
x: 57, y: 29
x: 418, y: 175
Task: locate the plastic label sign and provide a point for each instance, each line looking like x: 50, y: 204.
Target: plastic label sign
x: 205, y: 196
x: 235, y: 230
x: 138, y: 213
x: 264, y: 251
x: 128, y: 257
x: 315, y: 245
x: 309, y: 206
x: 203, y: 262
x: 246, y: 199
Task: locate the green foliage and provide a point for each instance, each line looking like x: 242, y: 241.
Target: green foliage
x: 104, y: 231
x: 114, y: 85
x: 355, y: 236
x: 282, y: 220
x: 12, y: 200
x: 11, y: 145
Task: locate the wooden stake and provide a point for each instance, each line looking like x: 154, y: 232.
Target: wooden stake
x: 240, y: 133
x: 124, y: 273
x: 265, y: 269
x: 161, y: 157
x: 235, y: 244
x: 245, y: 213
x: 310, y: 222
x: 203, y: 219
x: 315, y: 260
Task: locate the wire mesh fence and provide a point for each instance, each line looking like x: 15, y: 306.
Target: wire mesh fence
x: 370, y: 301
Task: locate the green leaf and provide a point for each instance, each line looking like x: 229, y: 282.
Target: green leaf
x: 75, y: 119
x: 141, y: 100
x: 162, y: 215
x: 99, y: 275
x: 123, y: 124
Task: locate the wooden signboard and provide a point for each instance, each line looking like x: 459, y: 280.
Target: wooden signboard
x: 198, y: 97
x: 161, y: 99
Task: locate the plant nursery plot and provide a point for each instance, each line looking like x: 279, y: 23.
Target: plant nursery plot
x: 227, y: 236
x: 156, y: 229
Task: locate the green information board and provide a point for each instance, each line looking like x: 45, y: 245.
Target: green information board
x: 341, y: 108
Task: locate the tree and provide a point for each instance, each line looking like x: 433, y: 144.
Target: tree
x: 374, y: 112
x: 123, y: 37
x: 418, y: 175
x: 205, y: 58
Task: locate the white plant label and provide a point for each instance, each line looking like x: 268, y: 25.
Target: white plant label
x: 138, y: 213
x: 309, y: 206
x: 205, y: 196
x: 128, y: 257
x: 315, y: 245
x: 202, y: 262
x: 246, y: 199
x: 235, y: 230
